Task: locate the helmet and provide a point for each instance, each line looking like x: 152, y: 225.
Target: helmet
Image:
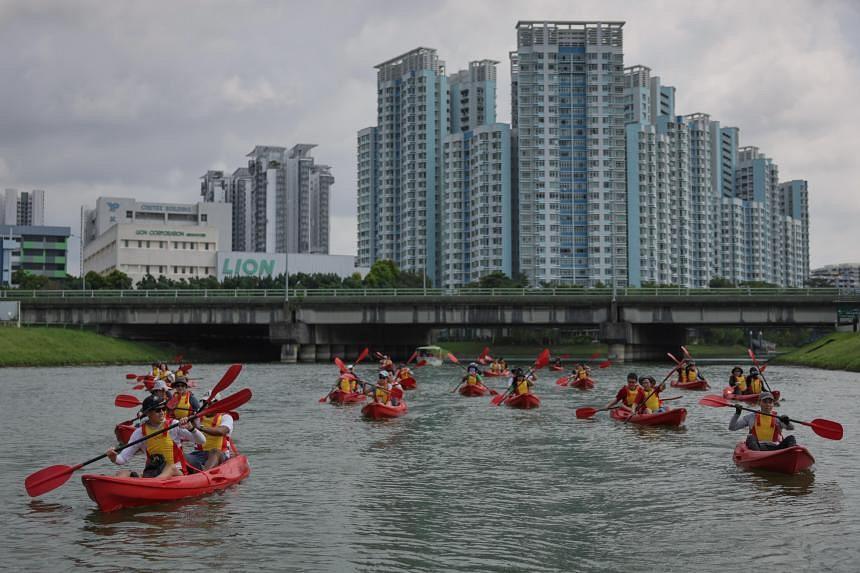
x: 350, y: 367
x: 753, y: 370
x: 383, y: 374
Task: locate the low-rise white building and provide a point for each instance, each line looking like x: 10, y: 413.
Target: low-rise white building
x: 174, y: 240
x: 236, y: 264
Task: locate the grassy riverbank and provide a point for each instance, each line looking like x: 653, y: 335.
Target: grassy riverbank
x: 44, y: 346
x: 837, y: 351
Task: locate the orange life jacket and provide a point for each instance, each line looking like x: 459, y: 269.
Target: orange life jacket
x: 766, y: 429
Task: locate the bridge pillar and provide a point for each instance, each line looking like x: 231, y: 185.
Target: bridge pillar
x: 307, y: 353
x: 289, y: 352
x: 323, y: 352
x: 628, y: 342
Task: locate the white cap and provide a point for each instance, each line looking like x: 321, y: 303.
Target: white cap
x: 159, y: 385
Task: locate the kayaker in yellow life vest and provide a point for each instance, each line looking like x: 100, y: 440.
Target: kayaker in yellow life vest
x: 738, y: 381
x: 186, y: 402
x: 216, y: 449
x: 386, y: 364
x: 765, y: 430
x: 345, y: 383
x: 582, y: 372
x: 472, y: 376
x: 163, y: 450
x: 403, y: 372
x: 520, y: 383
x: 692, y: 373
x: 628, y: 395
x: 755, y: 385
x: 650, y: 401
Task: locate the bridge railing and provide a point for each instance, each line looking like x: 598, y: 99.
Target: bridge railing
x: 297, y: 293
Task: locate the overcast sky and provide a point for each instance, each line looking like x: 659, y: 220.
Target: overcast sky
x: 141, y: 98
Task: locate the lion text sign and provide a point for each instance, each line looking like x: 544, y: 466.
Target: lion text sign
x: 233, y: 264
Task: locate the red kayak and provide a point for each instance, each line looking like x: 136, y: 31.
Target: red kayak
x: 112, y: 492
x: 473, y: 390
x: 556, y: 368
x: 492, y: 374
x: 727, y: 394
x: 123, y: 431
x: 786, y: 461
x: 694, y: 385
x: 408, y: 383
x: 524, y: 401
x: 673, y: 417
x: 340, y: 397
x: 378, y: 410
x: 581, y: 383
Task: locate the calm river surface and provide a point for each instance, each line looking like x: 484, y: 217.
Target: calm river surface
x: 455, y: 485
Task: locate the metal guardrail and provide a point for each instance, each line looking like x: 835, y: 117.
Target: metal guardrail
x: 14, y: 294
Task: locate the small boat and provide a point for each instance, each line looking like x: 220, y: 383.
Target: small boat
x: 581, y: 383
x: 434, y: 355
x: 473, y: 390
x: 523, y: 401
x: 113, y: 492
x: 555, y: 368
x: 338, y: 396
x: 492, y: 374
x: 378, y: 410
x: 674, y: 417
x: 408, y: 383
x: 786, y: 461
x: 727, y: 394
x: 123, y: 431
x: 694, y: 385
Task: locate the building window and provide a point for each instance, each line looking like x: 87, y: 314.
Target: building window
x: 204, y: 217
x: 129, y: 215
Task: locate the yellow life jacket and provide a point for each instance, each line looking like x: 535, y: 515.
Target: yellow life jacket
x: 630, y: 399
x: 682, y: 375
x: 756, y: 385
x: 765, y: 428
x: 183, y: 406
x: 522, y: 387
x: 160, y: 444
x: 740, y: 383
x: 381, y: 394
x: 581, y: 374
x: 213, y: 442
x: 471, y: 379
x: 652, y: 402
x: 692, y: 375
x: 405, y: 373
x: 156, y: 373
x: 345, y: 384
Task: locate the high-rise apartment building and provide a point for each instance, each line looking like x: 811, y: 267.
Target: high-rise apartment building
x: 367, y: 187
x: 568, y: 129
x: 25, y: 208
x: 280, y: 201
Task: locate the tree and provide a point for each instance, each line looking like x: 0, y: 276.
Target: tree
x: 28, y: 281
x: 116, y: 280
x: 383, y: 274
x: 720, y: 282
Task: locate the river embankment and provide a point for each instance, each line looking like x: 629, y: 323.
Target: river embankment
x: 47, y: 346
x: 837, y: 351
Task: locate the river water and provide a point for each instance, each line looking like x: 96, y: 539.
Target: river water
x: 455, y: 485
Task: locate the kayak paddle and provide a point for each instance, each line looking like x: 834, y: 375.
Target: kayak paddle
x: 52, y: 477
x: 588, y: 411
x: 131, y: 376
x: 126, y: 401
x: 541, y: 361
x: 225, y: 381
x: 824, y: 428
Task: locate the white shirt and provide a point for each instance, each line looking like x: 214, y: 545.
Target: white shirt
x: 177, y: 434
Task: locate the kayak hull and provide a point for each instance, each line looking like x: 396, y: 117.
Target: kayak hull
x: 471, y: 390
x: 695, y: 385
x: 341, y: 397
x: 523, y: 401
x: 581, y: 383
x: 379, y: 411
x: 672, y: 418
x: 408, y: 383
x: 786, y: 461
x: 111, y: 492
x: 492, y: 374
x: 727, y: 394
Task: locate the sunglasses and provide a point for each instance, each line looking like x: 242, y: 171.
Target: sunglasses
x: 159, y: 409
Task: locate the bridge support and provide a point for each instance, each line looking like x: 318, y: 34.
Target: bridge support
x: 289, y: 353
x: 628, y: 342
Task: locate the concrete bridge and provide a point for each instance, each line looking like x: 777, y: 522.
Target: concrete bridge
x: 314, y: 325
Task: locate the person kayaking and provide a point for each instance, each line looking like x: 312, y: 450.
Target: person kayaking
x: 472, y: 377
x: 520, y: 383
x: 738, y: 381
x: 581, y: 372
x: 403, y: 372
x: 346, y: 382
x: 384, y: 385
x: 650, y: 402
x: 755, y: 384
x: 186, y: 401
x: 628, y: 395
x: 163, y: 452
x: 218, y: 430
x: 386, y: 363
x: 765, y: 431
x: 557, y: 363
x: 691, y: 372
x: 161, y: 391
